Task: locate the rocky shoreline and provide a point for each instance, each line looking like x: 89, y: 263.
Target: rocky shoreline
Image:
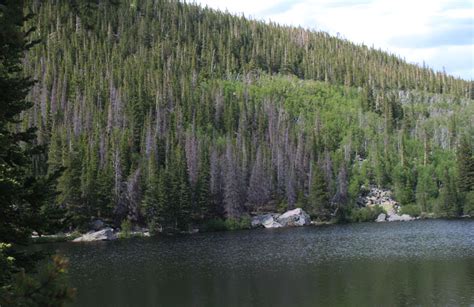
x: 292, y: 218
x: 372, y: 197
x: 110, y: 234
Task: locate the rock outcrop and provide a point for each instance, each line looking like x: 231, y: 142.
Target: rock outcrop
x: 266, y: 220
x: 106, y: 234
x: 295, y: 217
x: 375, y: 196
x: 291, y: 218
x: 271, y: 223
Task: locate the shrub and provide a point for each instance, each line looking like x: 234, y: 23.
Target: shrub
x: 245, y: 222
x: 126, y: 228
x: 228, y: 224
x: 366, y: 214
x: 411, y: 209
x: 155, y: 227
x: 232, y: 224
x: 214, y: 225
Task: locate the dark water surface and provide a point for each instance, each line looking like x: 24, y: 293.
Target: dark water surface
x: 385, y: 264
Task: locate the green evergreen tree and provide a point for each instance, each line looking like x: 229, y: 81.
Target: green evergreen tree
x: 22, y: 196
x: 448, y: 200
x: 426, y: 189
x: 69, y: 186
x: 318, y: 204
x: 155, y: 201
x: 203, y: 208
x: 465, y: 160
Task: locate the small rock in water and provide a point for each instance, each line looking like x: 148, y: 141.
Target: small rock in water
x: 381, y: 217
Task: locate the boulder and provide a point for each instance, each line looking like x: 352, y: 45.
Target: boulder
x: 97, y: 225
x: 260, y: 220
x: 106, y: 234
x: 381, y: 217
x: 271, y: 223
x: 295, y: 217
x: 400, y: 218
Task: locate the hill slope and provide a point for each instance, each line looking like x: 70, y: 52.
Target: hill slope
x: 169, y: 114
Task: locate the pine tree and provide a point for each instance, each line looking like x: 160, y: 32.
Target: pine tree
x: 448, y: 201
x: 22, y: 196
x: 184, y: 205
x: 155, y: 200
x: 203, y: 199
x: 426, y: 189
x: 465, y: 159
x: 404, y: 182
x: 69, y: 186
x: 318, y: 200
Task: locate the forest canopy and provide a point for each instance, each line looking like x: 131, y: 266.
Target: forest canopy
x: 167, y: 114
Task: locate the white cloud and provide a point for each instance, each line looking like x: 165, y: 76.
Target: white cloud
x: 417, y: 30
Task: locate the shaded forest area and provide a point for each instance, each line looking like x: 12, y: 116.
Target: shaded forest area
x: 170, y: 115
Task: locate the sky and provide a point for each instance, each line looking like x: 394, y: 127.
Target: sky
x: 439, y: 33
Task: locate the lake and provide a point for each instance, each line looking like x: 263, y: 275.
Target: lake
x: 427, y: 263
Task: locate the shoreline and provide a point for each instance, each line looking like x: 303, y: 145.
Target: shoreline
x: 69, y: 237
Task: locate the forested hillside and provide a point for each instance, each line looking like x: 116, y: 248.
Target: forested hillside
x: 169, y: 115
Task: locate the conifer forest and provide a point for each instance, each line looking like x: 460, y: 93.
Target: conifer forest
x: 169, y: 115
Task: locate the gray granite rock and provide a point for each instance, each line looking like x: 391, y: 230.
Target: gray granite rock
x: 295, y: 217
x: 381, y: 217
x: 106, y: 234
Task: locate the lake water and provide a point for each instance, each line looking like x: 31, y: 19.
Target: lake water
x: 413, y: 263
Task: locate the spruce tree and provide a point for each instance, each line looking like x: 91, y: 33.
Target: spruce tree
x: 21, y: 194
x: 203, y: 198
x: 465, y: 160
x: 448, y: 200
x: 318, y: 204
